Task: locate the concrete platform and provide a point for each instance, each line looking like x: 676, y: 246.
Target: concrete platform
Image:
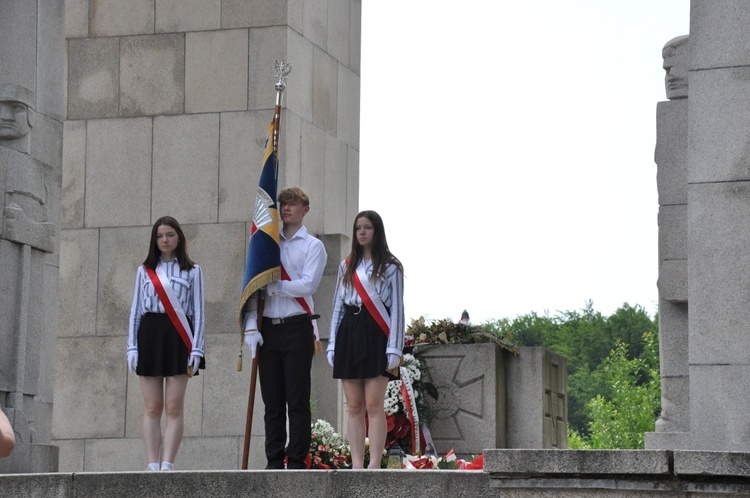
x: 507, y: 473
x: 276, y: 483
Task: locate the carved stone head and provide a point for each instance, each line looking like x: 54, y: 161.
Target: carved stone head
x: 16, y: 111
x: 675, y: 54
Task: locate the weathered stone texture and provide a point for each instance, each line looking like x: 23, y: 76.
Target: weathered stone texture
x: 348, y: 107
x: 115, y: 17
x: 118, y: 172
x: 186, y: 168
x: 243, y: 14
x: 673, y: 232
x: 299, y: 97
x: 335, y: 171
x: 717, y: 267
x: 79, y: 264
x: 126, y: 248
x: 152, y: 75
x: 265, y: 46
x: 187, y: 15
x: 719, y: 147
x: 671, y: 151
x: 73, y: 174
x: 325, y: 91
x: 337, y: 42
x: 93, y: 78
x: 216, y: 65
x: 718, y: 405
x: 100, y: 413
x: 241, y: 146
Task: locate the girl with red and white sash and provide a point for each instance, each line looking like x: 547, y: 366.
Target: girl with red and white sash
x: 367, y: 333
x: 159, y: 333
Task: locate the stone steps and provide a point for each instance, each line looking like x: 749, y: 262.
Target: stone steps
x: 516, y: 473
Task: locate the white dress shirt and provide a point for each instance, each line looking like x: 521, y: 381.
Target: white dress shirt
x: 304, y: 258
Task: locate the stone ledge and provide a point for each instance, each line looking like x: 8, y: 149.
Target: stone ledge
x: 295, y: 483
x: 550, y: 474
x: 599, y: 463
x: 712, y: 463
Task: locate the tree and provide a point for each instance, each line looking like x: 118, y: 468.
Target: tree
x: 631, y: 406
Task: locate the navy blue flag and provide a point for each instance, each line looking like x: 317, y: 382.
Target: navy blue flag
x: 263, y: 264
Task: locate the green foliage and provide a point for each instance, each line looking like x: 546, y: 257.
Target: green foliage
x: 576, y: 442
x: 613, y: 369
x: 631, y: 406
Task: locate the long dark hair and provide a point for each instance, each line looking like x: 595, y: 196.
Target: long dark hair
x: 380, y: 253
x: 181, y: 252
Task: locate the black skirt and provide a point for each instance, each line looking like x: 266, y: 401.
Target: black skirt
x: 360, y: 347
x: 161, y: 351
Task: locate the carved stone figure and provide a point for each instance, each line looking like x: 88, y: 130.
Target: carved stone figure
x: 675, y: 54
x: 16, y: 111
x: 673, y: 425
x: 26, y: 207
x: 29, y: 197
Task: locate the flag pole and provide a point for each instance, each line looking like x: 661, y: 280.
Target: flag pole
x: 281, y: 71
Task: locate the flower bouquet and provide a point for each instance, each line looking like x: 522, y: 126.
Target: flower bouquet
x: 327, y: 448
x: 448, y: 462
x: 406, y: 407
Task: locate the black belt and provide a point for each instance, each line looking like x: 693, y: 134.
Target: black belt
x: 354, y: 310
x: 290, y: 319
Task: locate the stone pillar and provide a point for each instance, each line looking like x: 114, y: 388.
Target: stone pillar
x: 167, y: 108
x: 536, y: 399
x: 673, y: 426
x: 718, y: 229
x: 31, y: 114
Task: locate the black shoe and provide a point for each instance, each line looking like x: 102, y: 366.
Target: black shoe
x: 296, y: 466
x: 275, y: 466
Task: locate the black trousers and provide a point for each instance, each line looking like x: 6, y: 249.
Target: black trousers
x: 284, y: 363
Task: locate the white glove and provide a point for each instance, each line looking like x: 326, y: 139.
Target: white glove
x: 394, y: 360
x: 253, y: 339
x: 195, y: 362
x: 132, y: 360
x: 330, y: 357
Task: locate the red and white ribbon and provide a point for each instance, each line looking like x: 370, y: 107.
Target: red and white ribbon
x: 306, y: 303
x: 410, y: 404
x: 370, y: 298
x: 171, y: 305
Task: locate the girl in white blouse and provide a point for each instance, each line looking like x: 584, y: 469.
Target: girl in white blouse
x: 367, y: 333
x: 157, y: 352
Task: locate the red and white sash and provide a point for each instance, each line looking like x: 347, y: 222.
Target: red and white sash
x: 370, y: 298
x: 410, y: 402
x: 306, y: 303
x: 171, y: 305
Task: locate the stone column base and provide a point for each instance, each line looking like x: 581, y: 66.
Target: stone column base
x: 31, y: 459
x: 667, y: 440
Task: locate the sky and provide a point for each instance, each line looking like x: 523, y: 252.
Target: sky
x: 509, y: 147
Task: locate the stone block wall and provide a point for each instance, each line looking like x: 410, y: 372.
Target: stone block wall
x: 718, y: 193
x: 167, y: 106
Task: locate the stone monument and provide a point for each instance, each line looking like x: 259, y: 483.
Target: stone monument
x: 718, y: 193
x: 31, y: 96
x: 704, y: 196
x: 673, y: 425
